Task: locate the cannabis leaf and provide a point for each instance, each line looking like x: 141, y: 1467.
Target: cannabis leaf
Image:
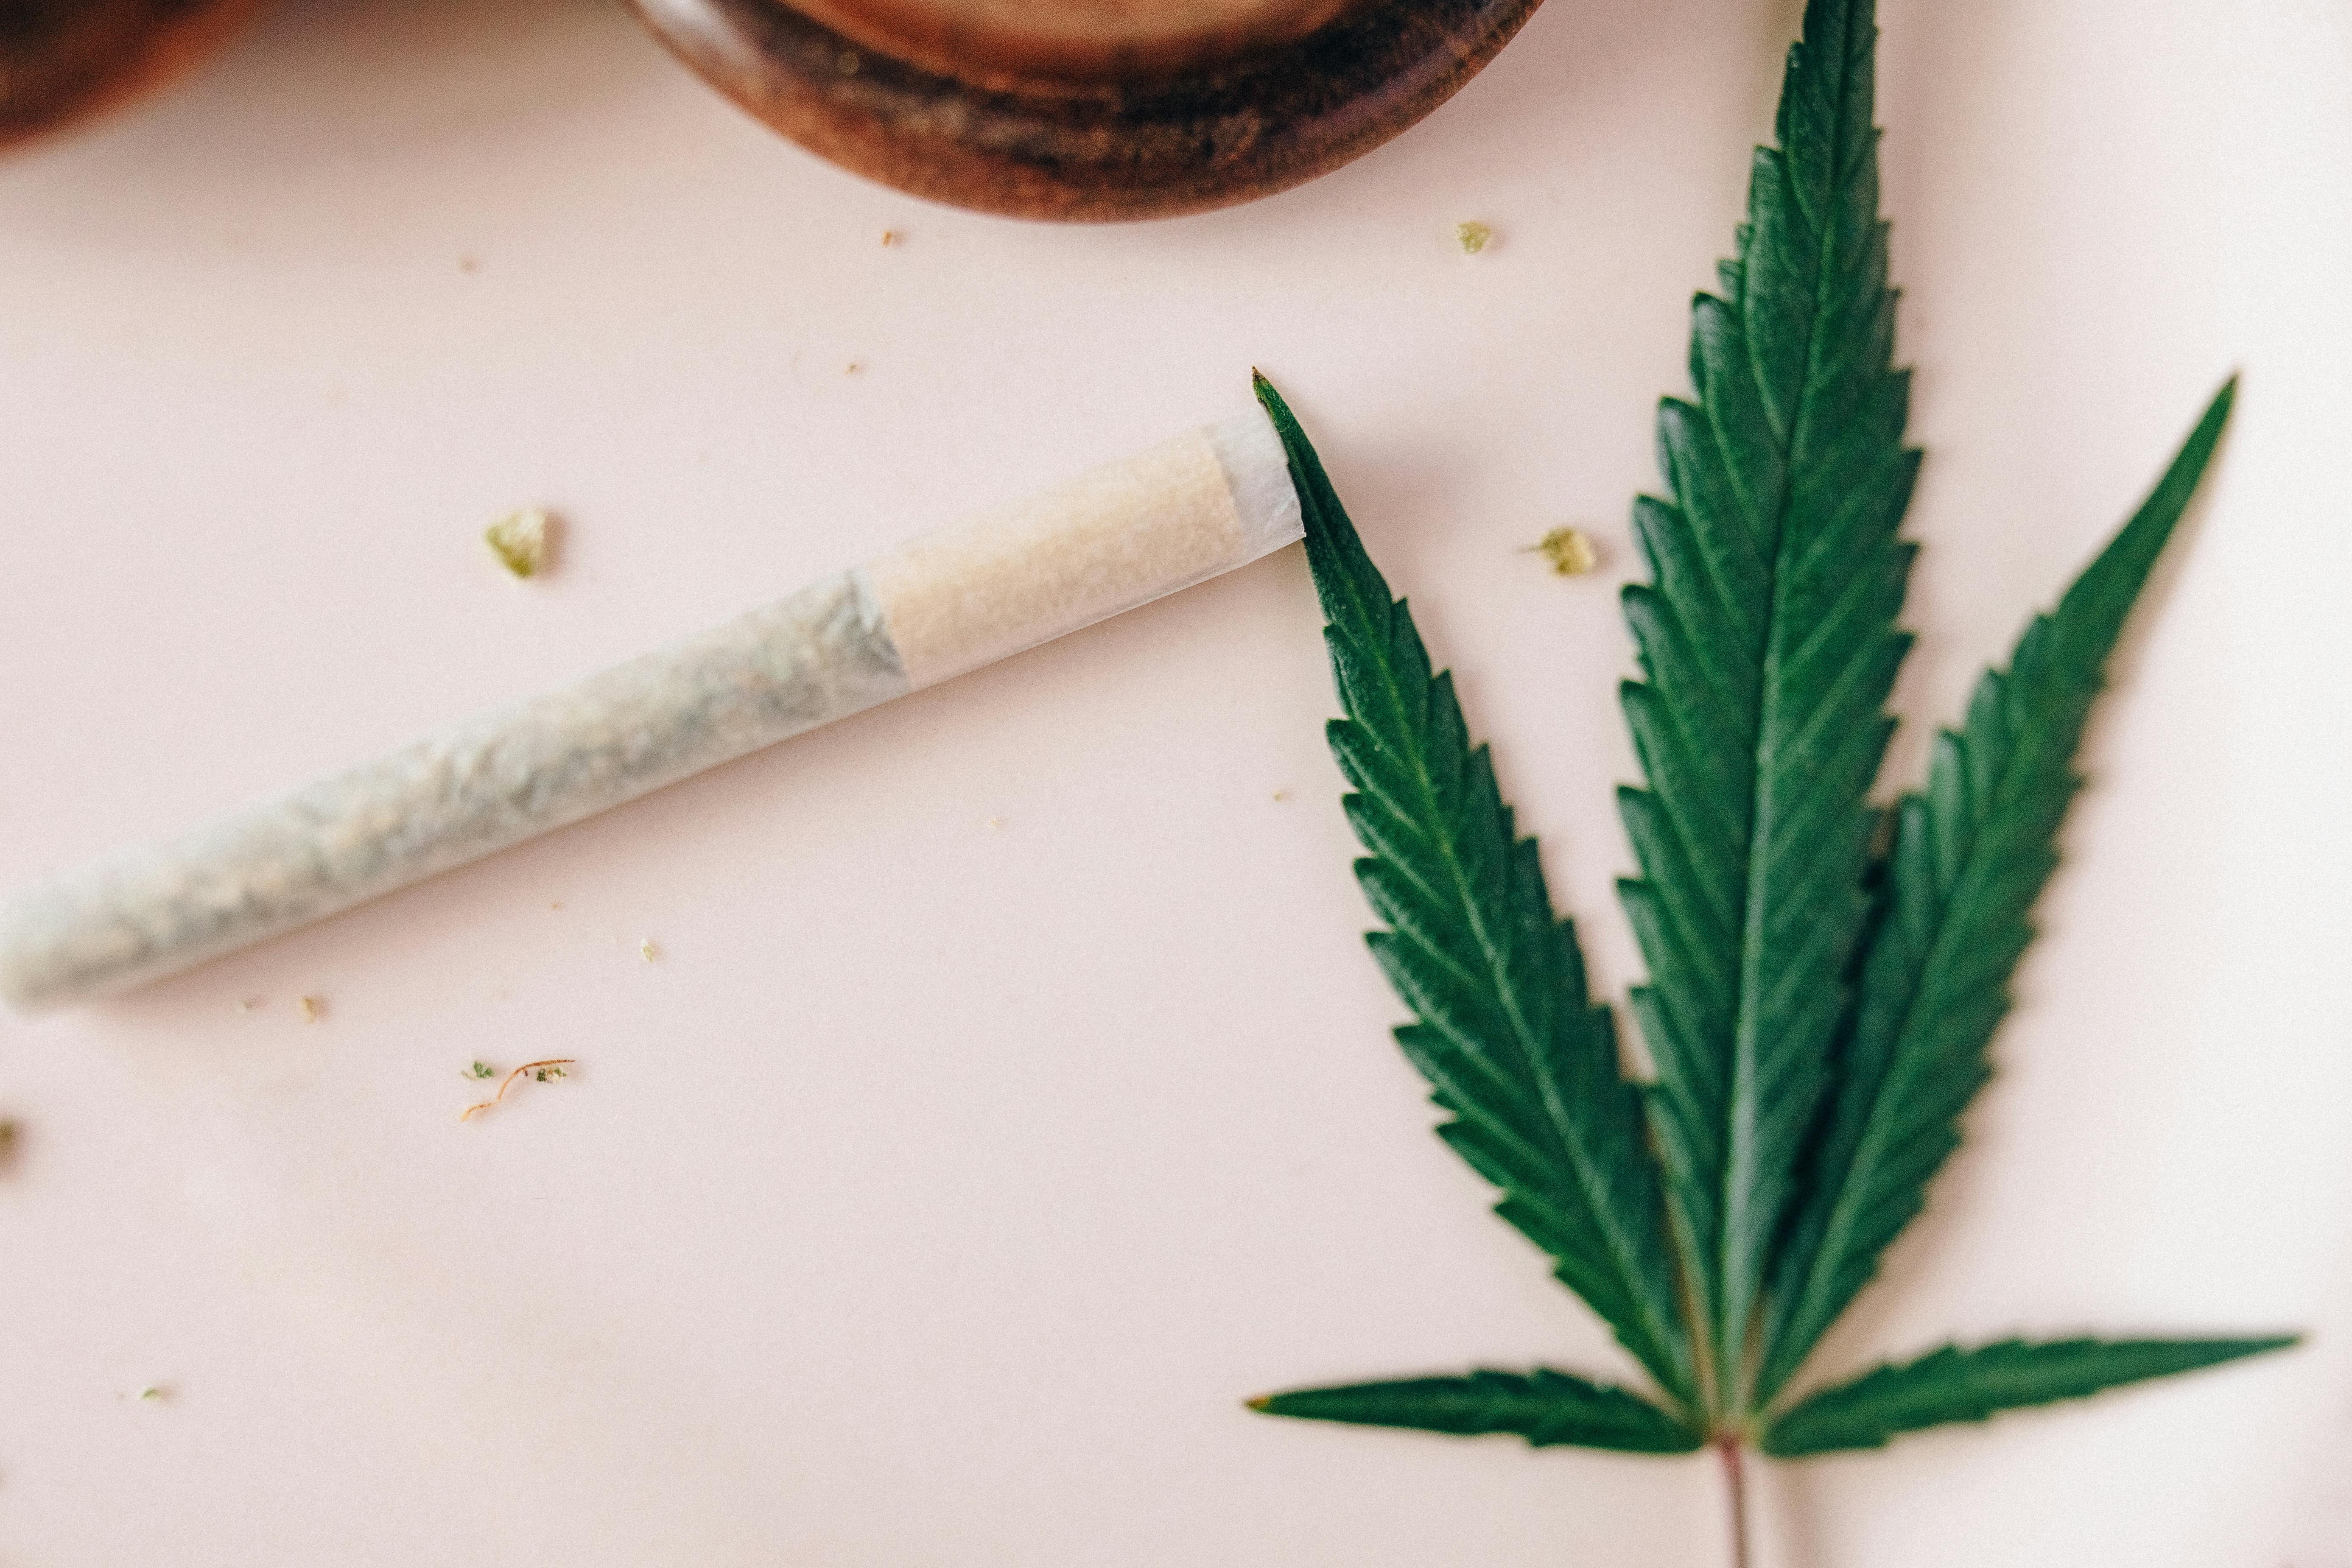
x: 1507, y: 1035
x: 1819, y: 1015
x: 1546, y: 1407
x: 1954, y: 1384
x: 1769, y: 645
x: 1971, y: 856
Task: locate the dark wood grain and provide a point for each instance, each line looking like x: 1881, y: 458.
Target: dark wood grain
x: 1125, y: 146
x: 63, y: 59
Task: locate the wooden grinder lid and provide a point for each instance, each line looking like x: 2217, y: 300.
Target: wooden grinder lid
x: 1087, y: 110
x: 998, y: 42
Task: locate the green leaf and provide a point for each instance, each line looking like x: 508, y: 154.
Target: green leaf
x: 1509, y: 1036
x: 1971, y: 856
x: 1819, y: 1012
x: 1548, y: 1408
x: 1768, y: 647
x: 1955, y: 1385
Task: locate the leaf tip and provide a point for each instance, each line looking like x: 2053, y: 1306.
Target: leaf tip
x: 2226, y: 397
x: 1271, y: 400
x: 1263, y: 1402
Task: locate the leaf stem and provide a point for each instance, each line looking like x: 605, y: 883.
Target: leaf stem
x: 1735, y: 1485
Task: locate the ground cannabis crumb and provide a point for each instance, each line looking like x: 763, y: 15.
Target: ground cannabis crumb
x: 155, y: 1394
x: 1570, y: 549
x: 1473, y: 237
x: 480, y: 1070
x: 891, y: 237
x: 855, y: 367
x: 521, y: 541
x: 647, y: 951
x: 539, y: 1072
x: 310, y: 1009
x: 1281, y: 794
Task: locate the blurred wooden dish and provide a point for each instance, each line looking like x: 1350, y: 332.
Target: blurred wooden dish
x: 1087, y: 110
x: 1009, y: 43
x: 63, y: 59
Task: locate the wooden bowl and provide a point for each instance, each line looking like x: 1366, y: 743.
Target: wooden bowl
x: 63, y: 59
x: 1087, y: 110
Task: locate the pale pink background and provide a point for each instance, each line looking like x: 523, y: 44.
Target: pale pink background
x: 938, y: 1196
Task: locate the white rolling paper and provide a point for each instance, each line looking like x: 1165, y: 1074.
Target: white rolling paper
x: 949, y: 602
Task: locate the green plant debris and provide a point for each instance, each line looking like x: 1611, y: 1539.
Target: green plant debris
x: 1570, y: 551
x: 649, y: 951
x: 544, y: 1071
x: 310, y: 1009
x: 523, y: 541
x: 481, y: 1069
x: 1473, y: 237
x: 1825, y: 976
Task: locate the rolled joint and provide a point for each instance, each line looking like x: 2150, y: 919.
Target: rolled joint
x: 1116, y: 538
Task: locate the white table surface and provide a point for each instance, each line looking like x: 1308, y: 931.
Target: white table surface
x: 936, y: 1198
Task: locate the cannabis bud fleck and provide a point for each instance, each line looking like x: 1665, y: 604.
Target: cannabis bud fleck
x: 1570, y: 549
x: 521, y: 541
